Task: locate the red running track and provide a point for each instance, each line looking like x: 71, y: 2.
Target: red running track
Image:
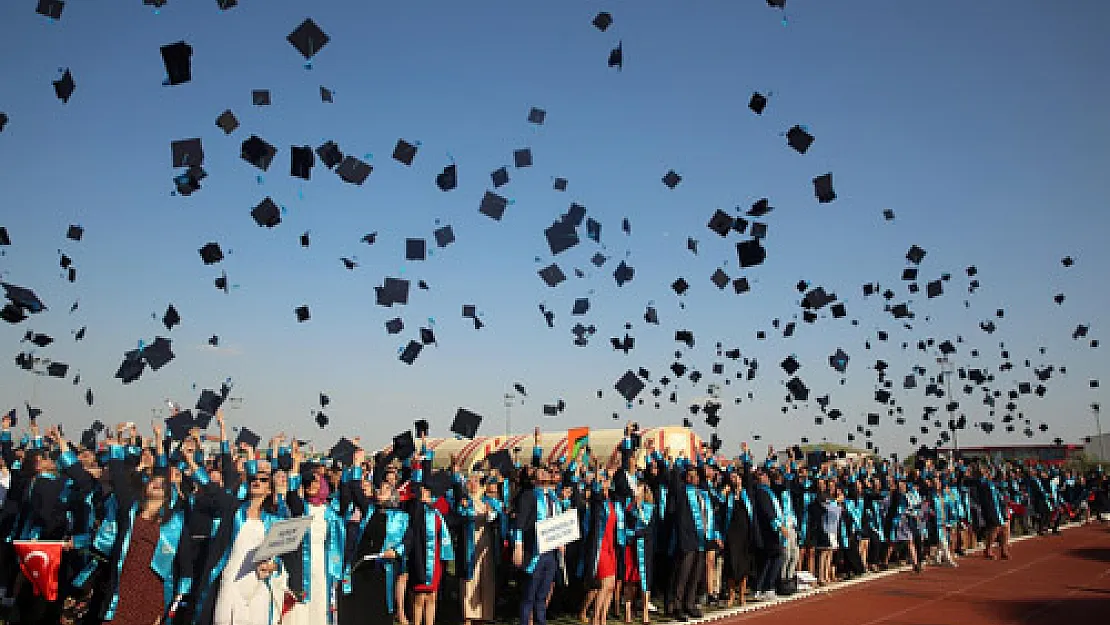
x: 1051, y: 580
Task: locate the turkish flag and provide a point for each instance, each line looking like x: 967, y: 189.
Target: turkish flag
x: 39, y: 561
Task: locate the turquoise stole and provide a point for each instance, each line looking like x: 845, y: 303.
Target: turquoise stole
x: 642, y: 516
x: 334, y: 542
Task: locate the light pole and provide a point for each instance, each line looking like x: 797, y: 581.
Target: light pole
x: 508, y: 412
x: 947, y: 367
x: 1098, y: 428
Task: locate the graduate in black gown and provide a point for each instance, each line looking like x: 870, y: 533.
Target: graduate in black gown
x: 372, y: 581
x: 739, y: 513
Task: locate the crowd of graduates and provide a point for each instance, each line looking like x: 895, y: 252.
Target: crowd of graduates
x: 156, y: 530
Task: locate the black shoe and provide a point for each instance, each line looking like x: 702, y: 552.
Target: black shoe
x: 695, y: 613
x: 679, y: 616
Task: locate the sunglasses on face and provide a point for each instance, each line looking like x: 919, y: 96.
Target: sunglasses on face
x: 261, y: 479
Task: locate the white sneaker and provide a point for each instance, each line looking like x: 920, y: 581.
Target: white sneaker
x: 652, y: 607
x: 759, y: 595
x: 771, y: 596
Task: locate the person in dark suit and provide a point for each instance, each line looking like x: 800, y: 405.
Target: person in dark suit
x: 771, y: 528
x: 534, y: 504
x: 692, y: 514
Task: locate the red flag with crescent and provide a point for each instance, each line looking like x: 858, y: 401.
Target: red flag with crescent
x: 39, y: 561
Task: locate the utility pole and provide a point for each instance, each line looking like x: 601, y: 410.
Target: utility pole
x: 508, y: 412
x: 1098, y: 428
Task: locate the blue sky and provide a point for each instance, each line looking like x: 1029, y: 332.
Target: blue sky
x: 980, y: 124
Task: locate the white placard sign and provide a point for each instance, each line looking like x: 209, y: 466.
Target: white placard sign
x: 284, y: 536
x: 559, y: 530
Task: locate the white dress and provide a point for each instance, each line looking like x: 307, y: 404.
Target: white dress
x: 315, y: 610
x: 244, y: 599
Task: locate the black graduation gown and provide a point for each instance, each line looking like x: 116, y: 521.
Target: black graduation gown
x: 738, y: 542
x: 367, y: 601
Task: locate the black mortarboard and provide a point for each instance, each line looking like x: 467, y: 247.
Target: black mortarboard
x: 3, y: 121
x: 404, y: 152
x: 415, y: 249
x: 719, y: 278
x: 427, y: 336
x: 394, y: 326
x: 321, y: 420
x: 132, y: 367
x: 629, y: 386
x: 74, y: 233
x: 552, y: 275
x: 330, y: 154
x: 757, y: 103
x: 581, y: 306
x: 227, y: 122
x: 353, y: 170
x: 934, y: 289
x: 158, y: 353
x: 187, y: 152
x: 799, y: 139
x: 257, y: 152
x: 602, y: 21
x: 522, y: 158
x: 266, y: 214
x: 64, y: 86
x: 209, y: 402
x: 750, y: 253
x: 593, y: 230
x: 915, y: 255
x: 823, y: 188
x: 680, y: 286
x: 177, y: 58
x: 41, y: 340
x: 260, y: 97
x: 302, y: 313
x: 760, y: 208
x: 326, y: 95
x: 178, y: 425
x: 1067, y: 261
x: 790, y: 365
x: 171, y: 318
x: 211, y: 253
x: 393, y: 291
x: 411, y: 351
x: 671, y: 179
x: 499, y: 177
x: 247, y: 436
x: 301, y: 162
x: 560, y: 184
x: 448, y: 179
x: 343, y: 452
x: 536, y: 116
x: 493, y: 206
x: 308, y: 39
x: 57, y: 369
x: 616, y: 56
x: 4, y: 238
x: 50, y: 8
x: 623, y: 273
x: 21, y: 300
x: 403, y: 445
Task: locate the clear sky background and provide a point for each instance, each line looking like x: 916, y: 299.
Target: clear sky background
x: 982, y: 125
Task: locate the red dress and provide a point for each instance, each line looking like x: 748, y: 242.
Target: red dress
x: 140, y: 588
x: 607, y: 555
